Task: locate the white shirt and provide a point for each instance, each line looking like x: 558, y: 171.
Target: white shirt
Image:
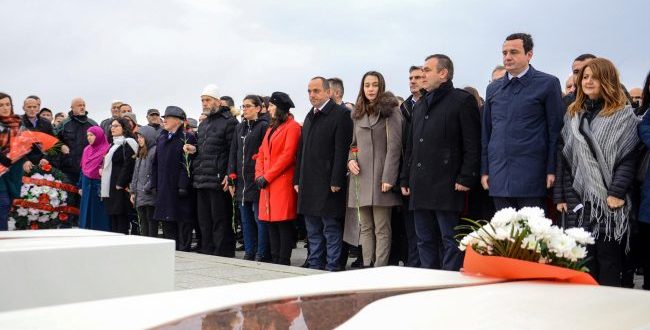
x: 519, y: 75
x: 316, y: 109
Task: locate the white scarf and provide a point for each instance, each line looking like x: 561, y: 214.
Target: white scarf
x: 108, y: 162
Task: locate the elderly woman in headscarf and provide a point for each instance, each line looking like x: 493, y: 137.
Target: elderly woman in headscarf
x: 92, y: 212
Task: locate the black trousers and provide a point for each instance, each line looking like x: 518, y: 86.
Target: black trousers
x: 606, y: 261
x: 282, y: 237
x: 644, y: 253
x: 215, y: 220
x: 180, y: 231
x: 120, y: 223
x: 145, y: 217
x: 399, y: 241
x: 517, y: 202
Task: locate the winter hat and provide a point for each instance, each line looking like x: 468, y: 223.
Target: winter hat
x: 282, y: 101
x: 211, y: 90
x: 131, y: 116
x: 174, y: 111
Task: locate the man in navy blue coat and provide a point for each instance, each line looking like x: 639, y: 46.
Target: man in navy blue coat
x: 522, y: 120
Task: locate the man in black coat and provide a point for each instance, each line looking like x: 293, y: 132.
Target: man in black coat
x: 321, y: 173
x: 405, y: 223
x: 443, y: 162
x: 72, y: 133
x: 171, y: 180
x: 31, y: 121
x: 210, y: 175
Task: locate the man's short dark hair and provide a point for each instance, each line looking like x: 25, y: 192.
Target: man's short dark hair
x: 34, y: 97
x: 44, y: 110
x: 336, y: 83
x: 584, y: 57
x: 125, y: 105
x: 526, y: 38
x: 59, y: 114
x: 229, y: 100
x: 326, y: 84
x: 444, y: 62
x: 414, y: 67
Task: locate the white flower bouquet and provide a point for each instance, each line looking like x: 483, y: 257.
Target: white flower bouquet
x: 528, y: 235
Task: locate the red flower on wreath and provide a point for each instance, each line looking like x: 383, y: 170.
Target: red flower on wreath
x: 34, y: 225
x: 63, y: 217
x: 46, y: 167
x: 44, y: 199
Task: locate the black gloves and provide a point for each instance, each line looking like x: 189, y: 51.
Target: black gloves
x: 261, y: 182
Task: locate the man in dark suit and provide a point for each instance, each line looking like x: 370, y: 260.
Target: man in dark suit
x: 442, y: 162
x: 321, y: 173
x: 522, y: 120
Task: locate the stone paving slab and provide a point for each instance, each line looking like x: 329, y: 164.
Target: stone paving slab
x: 194, y: 270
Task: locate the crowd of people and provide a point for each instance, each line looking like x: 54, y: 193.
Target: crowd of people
x: 385, y: 178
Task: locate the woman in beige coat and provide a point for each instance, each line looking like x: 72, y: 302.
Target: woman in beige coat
x: 374, y: 166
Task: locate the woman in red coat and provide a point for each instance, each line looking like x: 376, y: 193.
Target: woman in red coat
x: 274, y: 169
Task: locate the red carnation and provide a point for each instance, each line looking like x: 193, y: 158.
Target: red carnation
x: 354, y: 150
x: 46, y: 167
x: 63, y: 217
x: 34, y: 225
x: 44, y: 199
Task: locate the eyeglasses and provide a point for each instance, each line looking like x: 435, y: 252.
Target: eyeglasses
x: 247, y: 106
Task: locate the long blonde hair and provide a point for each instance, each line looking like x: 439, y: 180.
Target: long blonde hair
x: 611, y: 89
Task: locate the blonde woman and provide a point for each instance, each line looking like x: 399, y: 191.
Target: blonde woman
x: 597, y: 162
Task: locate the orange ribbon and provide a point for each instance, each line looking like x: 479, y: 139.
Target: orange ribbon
x: 58, y: 185
x: 46, y: 207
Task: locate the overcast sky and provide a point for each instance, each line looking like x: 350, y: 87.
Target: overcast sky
x: 158, y: 53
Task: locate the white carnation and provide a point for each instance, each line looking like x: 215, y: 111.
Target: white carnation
x: 32, y: 217
x: 37, y: 176
x: 502, y: 233
x: 580, y: 235
x: 540, y: 226
x: 49, y: 177
x: 11, y: 224
x: 54, y: 215
x: 33, y: 211
x: 36, y: 191
x: 55, y: 202
x: 44, y: 218
x: 531, y: 212
x: 530, y: 243
x: 52, y: 193
x: 504, y: 217
x: 577, y: 252
x: 22, y: 211
x: 561, y: 245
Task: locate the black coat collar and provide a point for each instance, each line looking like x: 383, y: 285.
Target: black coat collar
x: 437, y: 94
x: 325, y: 110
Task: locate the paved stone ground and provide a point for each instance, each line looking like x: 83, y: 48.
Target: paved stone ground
x: 194, y: 270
